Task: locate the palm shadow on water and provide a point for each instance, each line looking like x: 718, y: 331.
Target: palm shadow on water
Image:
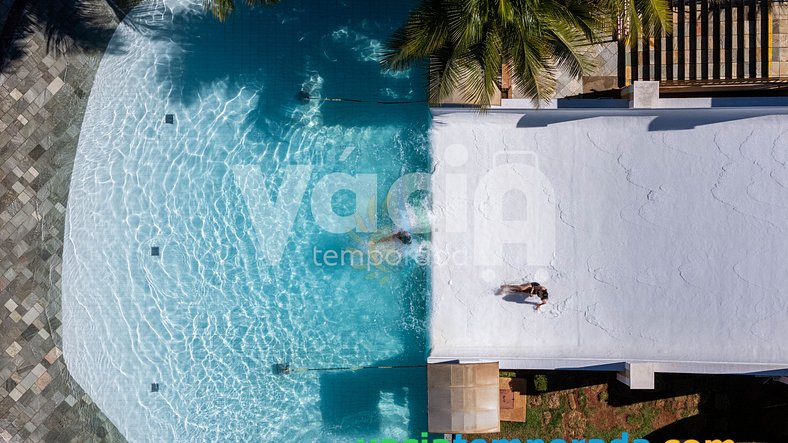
x: 350, y: 400
x: 67, y: 25
x: 276, y: 50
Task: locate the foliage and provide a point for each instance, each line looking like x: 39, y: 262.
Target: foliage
x: 67, y: 25
x: 640, y: 17
x: 540, y: 382
x: 467, y: 41
x: 222, y: 9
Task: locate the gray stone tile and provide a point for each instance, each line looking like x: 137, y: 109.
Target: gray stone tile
x: 40, y: 118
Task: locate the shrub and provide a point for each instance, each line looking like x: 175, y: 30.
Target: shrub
x: 540, y: 383
x: 636, y: 420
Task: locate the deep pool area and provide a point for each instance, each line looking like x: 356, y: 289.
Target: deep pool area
x: 166, y: 275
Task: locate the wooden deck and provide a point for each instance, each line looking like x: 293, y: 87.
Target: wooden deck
x: 513, y: 399
x: 724, y: 87
x: 726, y: 39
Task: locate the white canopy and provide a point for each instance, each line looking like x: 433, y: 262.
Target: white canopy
x: 463, y: 398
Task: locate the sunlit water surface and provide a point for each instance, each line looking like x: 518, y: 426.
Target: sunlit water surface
x: 209, y: 317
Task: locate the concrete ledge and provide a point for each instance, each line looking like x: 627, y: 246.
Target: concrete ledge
x: 637, y: 375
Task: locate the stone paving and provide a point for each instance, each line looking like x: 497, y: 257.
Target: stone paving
x: 42, y: 101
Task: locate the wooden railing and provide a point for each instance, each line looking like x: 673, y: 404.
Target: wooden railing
x: 711, y: 40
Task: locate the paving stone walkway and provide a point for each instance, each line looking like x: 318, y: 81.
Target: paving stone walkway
x: 43, y: 95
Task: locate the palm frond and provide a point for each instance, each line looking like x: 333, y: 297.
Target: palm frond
x: 654, y: 16
x: 640, y: 17
x: 467, y: 41
x: 425, y: 32
x: 533, y: 71
x: 444, y: 73
x: 222, y: 9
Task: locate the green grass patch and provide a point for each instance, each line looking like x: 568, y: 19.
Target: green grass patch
x: 648, y: 415
x: 540, y: 383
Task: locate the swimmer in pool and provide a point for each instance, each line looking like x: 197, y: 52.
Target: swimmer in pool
x: 402, y: 236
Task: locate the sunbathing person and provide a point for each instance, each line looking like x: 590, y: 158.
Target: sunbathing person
x: 541, y: 292
x: 532, y: 288
x: 524, y: 288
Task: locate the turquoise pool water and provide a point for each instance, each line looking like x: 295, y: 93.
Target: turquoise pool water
x: 209, y: 316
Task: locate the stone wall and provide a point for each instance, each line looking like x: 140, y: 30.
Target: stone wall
x: 779, y: 66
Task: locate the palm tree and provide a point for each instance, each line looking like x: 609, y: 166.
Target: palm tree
x: 640, y: 17
x: 222, y: 9
x: 468, y: 41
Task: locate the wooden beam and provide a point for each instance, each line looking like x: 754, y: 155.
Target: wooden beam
x: 646, y: 58
x: 704, y: 39
x: 681, y: 46
x: 739, y: 39
x: 715, y: 40
x: 728, y: 39
x: 622, y: 63
x: 658, y: 56
x: 669, y: 55
x: 693, y: 39
x: 633, y: 54
x: 765, y: 38
x: 752, y: 19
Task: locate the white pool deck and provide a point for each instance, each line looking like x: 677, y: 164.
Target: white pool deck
x: 662, y: 236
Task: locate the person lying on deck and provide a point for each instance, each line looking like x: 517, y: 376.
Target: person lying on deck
x: 532, y: 288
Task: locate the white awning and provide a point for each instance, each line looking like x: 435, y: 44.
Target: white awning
x: 463, y: 398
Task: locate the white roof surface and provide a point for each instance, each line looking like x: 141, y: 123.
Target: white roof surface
x: 662, y: 236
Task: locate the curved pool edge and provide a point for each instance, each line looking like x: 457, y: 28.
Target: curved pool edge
x: 93, y: 360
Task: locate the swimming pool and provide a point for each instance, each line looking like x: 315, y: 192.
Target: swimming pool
x: 209, y: 316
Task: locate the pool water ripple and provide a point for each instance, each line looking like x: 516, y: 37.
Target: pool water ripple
x: 208, y: 318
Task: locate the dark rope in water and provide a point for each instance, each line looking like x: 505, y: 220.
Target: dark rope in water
x: 353, y: 100
x: 286, y: 369
x: 305, y: 97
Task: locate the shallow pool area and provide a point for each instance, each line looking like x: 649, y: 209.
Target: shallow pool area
x: 179, y: 267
